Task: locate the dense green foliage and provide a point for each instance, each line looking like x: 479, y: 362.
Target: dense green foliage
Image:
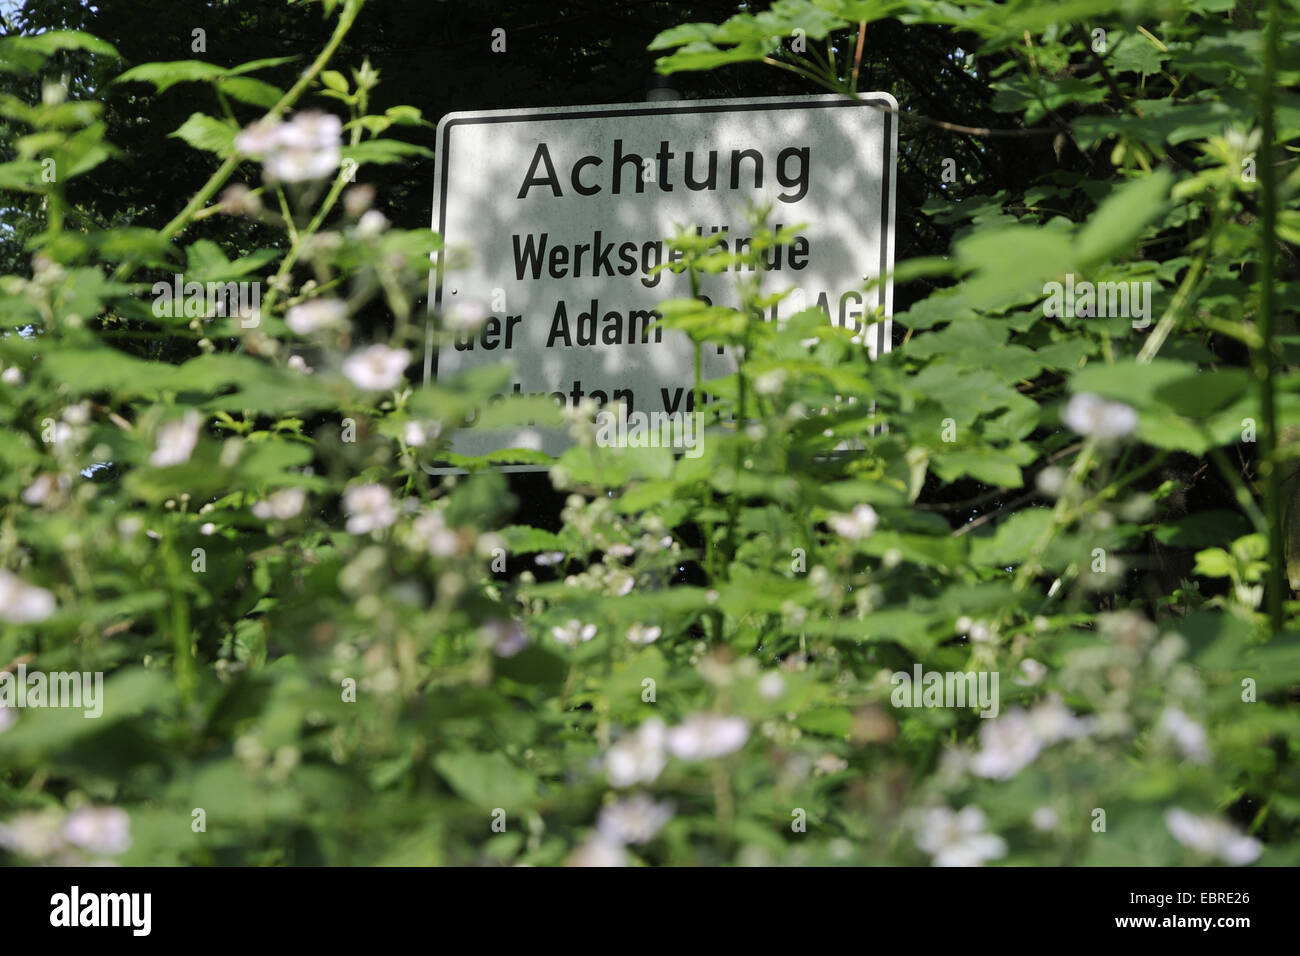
x: 309, y: 639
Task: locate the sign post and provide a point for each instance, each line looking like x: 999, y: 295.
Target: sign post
x: 562, y: 212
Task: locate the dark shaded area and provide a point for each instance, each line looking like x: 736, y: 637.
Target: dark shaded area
x: 437, y: 56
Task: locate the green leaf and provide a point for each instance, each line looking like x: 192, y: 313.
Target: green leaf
x: 334, y: 80
x: 252, y: 91
x: 19, y: 54
x: 521, y: 539
x: 828, y: 721
x: 44, y: 732
x: 166, y: 75
x: 1128, y: 381
x: 252, y: 66
x: 1011, y: 542
x: 383, y: 151
x: 989, y: 465
x: 1037, y: 253
x: 1134, y: 53
x: 405, y: 115
x: 1202, y: 393
x: 488, y: 780
x: 23, y: 175
x: 82, y: 371
x: 1214, y: 563
x: 208, y: 134
x: 533, y: 665
x: 1215, y: 641
x: 269, y: 462
x: 1119, y: 221
x: 1202, y: 529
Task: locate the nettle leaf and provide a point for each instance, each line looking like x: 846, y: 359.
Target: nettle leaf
x: 1164, y: 429
x: 1066, y: 354
x: 1215, y: 563
x: 19, y: 54
x: 1163, y: 121
x: 993, y: 466
x: 83, y: 371
x: 927, y: 551
x: 252, y: 66
x: 1011, y: 541
x: 1172, y: 415
x: 126, y: 694
x: 204, y: 256
x: 205, y: 262
x: 744, y: 37
x: 1119, y: 221
x: 405, y: 116
x: 505, y: 456
x: 1135, y: 53
x: 540, y: 411
x: 533, y: 665
x: 230, y: 80
x: 1034, y: 98
x: 251, y: 91
x: 208, y: 133
x: 488, y: 780
x: 22, y: 175
x: 700, y: 321
x: 827, y: 721
x: 269, y: 462
x: 164, y: 76
x: 1202, y: 529
x: 963, y: 393
x: 521, y: 539
x: 1130, y: 382
x: 1011, y: 263
x: 1015, y: 423
x: 1202, y: 393
x: 705, y: 56
x: 384, y: 151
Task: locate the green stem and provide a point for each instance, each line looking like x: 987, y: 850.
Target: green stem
x: 1170, y: 318
x: 1061, y: 515
x: 807, y: 74
x: 182, y: 643
x: 1266, y: 364
x: 1239, y: 490
x: 218, y: 179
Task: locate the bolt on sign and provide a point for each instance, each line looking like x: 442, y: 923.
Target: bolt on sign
x: 555, y: 219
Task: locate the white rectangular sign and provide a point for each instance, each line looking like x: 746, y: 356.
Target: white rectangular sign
x: 561, y: 213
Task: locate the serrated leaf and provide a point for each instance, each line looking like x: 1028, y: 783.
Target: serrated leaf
x: 208, y: 133
x: 1013, y: 538
x: 246, y: 89
x: 1119, y: 221
x: 164, y: 76
x: 383, y: 151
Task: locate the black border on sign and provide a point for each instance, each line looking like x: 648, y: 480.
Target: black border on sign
x: 672, y: 106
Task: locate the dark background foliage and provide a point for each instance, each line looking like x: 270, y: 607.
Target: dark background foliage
x: 437, y: 57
